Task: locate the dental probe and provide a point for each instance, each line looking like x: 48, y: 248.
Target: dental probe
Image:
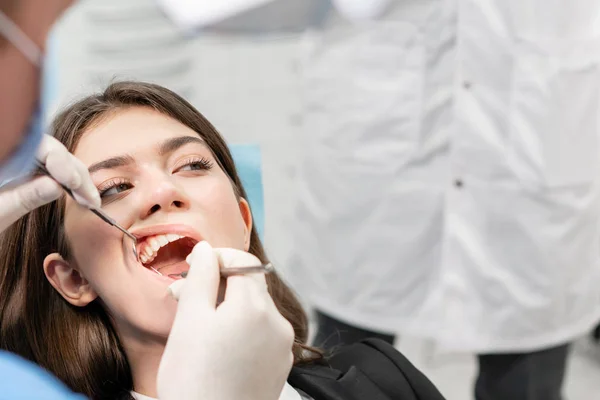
x: 227, y: 272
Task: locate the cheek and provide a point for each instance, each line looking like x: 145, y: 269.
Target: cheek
x: 91, y: 241
x: 220, y: 211
x: 135, y: 301
x: 97, y: 250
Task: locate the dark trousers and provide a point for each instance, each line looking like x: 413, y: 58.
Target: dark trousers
x: 537, y: 375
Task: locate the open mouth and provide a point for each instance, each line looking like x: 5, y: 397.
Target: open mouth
x: 166, y: 253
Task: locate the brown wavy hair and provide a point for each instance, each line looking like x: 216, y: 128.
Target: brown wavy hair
x: 80, y: 345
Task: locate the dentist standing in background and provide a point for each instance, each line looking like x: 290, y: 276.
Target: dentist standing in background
x: 449, y: 184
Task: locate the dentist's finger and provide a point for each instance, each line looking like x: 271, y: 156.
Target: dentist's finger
x: 202, y: 283
x: 68, y: 170
x: 229, y: 258
x: 175, y: 288
x: 22, y: 199
x: 251, y: 287
x: 233, y: 258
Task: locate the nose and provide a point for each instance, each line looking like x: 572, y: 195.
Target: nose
x: 164, y: 196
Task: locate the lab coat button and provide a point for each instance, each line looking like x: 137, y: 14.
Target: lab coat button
x: 467, y: 85
x: 458, y: 183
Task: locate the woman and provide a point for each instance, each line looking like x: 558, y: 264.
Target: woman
x: 75, y: 300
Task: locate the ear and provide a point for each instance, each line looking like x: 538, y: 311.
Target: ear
x: 247, y: 217
x: 67, y: 281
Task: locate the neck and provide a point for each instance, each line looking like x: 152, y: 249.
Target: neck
x: 144, y: 355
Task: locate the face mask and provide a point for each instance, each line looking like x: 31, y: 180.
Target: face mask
x: 21, y: 162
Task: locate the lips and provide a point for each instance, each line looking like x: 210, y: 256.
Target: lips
x: 165, y: 248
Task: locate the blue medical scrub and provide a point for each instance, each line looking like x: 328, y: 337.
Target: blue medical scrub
x: 23, y: 380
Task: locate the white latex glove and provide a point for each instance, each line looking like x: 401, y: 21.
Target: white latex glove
x: 64, y: 167
x: 241, y: 349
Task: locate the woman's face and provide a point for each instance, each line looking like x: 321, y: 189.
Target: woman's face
x: 159, y: 180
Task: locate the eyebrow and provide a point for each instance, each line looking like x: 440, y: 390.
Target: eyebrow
x: 166, y: 147
x: 170, y: 145
x: 112, y: 163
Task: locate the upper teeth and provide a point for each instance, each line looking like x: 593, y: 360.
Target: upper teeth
x: 150, y: 247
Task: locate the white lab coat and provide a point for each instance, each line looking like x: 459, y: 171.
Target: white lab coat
x: 449, y: 183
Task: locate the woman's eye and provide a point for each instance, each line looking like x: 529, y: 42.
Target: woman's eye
x: 196, y: 165
x: 116, y: 189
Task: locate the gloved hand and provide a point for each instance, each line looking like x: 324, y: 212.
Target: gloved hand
x: 241, y: 349
x: 64, y: 167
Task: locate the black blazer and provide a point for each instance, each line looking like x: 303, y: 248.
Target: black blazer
x: 369, y: 370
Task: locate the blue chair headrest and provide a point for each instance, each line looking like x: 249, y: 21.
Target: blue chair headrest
x: 247, y: 160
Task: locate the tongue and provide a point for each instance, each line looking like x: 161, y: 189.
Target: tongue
x: 171, y: 258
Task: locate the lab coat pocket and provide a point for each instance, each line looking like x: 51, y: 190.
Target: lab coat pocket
x: 553, y: 113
